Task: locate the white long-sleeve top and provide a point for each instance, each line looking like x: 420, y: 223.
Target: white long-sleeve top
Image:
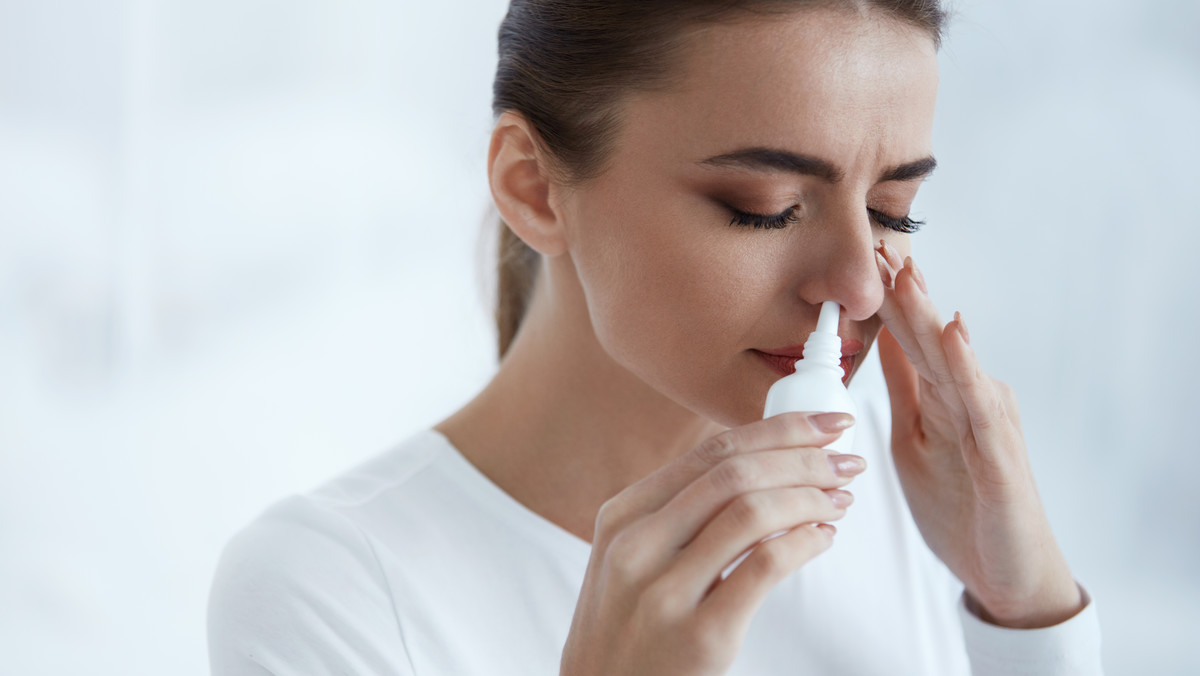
x: 414, y: 563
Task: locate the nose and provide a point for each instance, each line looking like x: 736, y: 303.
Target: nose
x: 840, y: 257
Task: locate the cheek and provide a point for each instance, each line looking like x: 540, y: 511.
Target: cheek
x: 662, y: 287
x: 674, y: 296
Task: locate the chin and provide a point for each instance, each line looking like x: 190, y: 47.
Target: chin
x: 736, y: 414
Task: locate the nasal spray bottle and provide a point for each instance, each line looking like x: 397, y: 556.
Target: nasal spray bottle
x: 816, y: 385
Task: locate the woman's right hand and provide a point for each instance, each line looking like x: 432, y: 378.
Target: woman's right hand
x: 653, y: 601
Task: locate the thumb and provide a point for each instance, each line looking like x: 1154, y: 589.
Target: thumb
x: 903, y: 383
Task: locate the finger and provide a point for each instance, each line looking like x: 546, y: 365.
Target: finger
x: 735, y: 600
x: 886, y: 272
x: 742, y: 525
x: 990, y: 424
x: 903, y: 385
x: 686, y: 515
x: 895, y: 320
x: 923, y: 319
x: 926, y: 324
x: 786, y: 430
x: 891, y: 256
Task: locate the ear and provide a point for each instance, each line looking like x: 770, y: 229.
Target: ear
x: 519, y: 177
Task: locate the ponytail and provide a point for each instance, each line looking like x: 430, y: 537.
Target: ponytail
x: 517, y: 268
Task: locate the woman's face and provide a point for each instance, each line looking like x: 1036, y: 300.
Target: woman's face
x: 830, y: 103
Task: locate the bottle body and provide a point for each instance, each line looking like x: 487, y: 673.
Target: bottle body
x: 814, y: 388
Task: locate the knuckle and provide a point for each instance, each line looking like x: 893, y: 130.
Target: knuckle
x: 735, y: 474
x: 663, y: 601
x: 815, y: 499
x: 817, y: 505
x: 608, y: 519
x: 965, y: 380
x: 772, y: 559
x: 796, y: 425
x: 817, y: 467
x: 986, y: 423
x: 717, y: 448
x: 995, y: 417
x: 811, y: 542
x: 998, y: 408
x: 748, y: 510
x: 622, y: 558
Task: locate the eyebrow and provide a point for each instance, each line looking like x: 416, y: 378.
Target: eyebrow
x: 768, y: 159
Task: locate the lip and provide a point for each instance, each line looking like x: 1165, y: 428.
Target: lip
x: 783, y: 360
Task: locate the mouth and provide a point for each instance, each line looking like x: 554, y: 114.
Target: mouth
x: 783, y: 360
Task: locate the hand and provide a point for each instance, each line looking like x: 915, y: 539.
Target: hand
x: 653, y: 600
x: 961, y: 459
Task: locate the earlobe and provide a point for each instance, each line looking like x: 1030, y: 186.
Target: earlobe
x: 520, y: 183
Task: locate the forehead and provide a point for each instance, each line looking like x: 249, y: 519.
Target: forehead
x: 856, y: 89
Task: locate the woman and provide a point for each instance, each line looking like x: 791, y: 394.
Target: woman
x: 682, y: 185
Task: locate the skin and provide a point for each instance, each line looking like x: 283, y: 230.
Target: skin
x: 637, y: 344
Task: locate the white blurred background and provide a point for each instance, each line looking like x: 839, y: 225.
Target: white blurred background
x: 239, y: 253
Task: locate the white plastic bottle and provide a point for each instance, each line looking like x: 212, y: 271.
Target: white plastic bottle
x: 816, y: 385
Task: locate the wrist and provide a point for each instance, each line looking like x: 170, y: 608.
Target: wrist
x: 1045, y: 609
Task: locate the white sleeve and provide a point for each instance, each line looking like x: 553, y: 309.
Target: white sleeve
x: 300, y: 591
x: 1070, y: 648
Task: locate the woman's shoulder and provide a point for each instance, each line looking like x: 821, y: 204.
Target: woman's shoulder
x: 335, y: 515
x: 308, y: 567
x: 304, y: 535
x: 404, y: 464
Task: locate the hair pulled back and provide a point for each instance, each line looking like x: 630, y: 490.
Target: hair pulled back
x: 566, y: 66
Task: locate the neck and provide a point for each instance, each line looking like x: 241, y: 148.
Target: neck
x: 562, y: 427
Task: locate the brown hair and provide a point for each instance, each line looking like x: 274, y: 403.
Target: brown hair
x: 565, y: 66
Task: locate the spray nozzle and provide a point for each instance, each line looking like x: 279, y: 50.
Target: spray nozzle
x: 827, y: 322
x: 824, y: 347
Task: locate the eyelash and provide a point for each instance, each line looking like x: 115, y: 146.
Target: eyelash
x: 790, y: 216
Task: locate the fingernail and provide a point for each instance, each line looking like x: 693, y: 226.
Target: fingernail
x: 847, y: 465
x: 841, y: 498
x: 962, y: 327
x: 885, y: 271
x: 890, y: 254
x: 831, y: 422
x: 916, y: 274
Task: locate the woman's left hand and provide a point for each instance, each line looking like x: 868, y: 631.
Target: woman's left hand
x: 961, y: 459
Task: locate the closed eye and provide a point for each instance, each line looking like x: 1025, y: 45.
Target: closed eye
x: 904, y: 224
x: 769, y: 221
x: 789, y: 216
